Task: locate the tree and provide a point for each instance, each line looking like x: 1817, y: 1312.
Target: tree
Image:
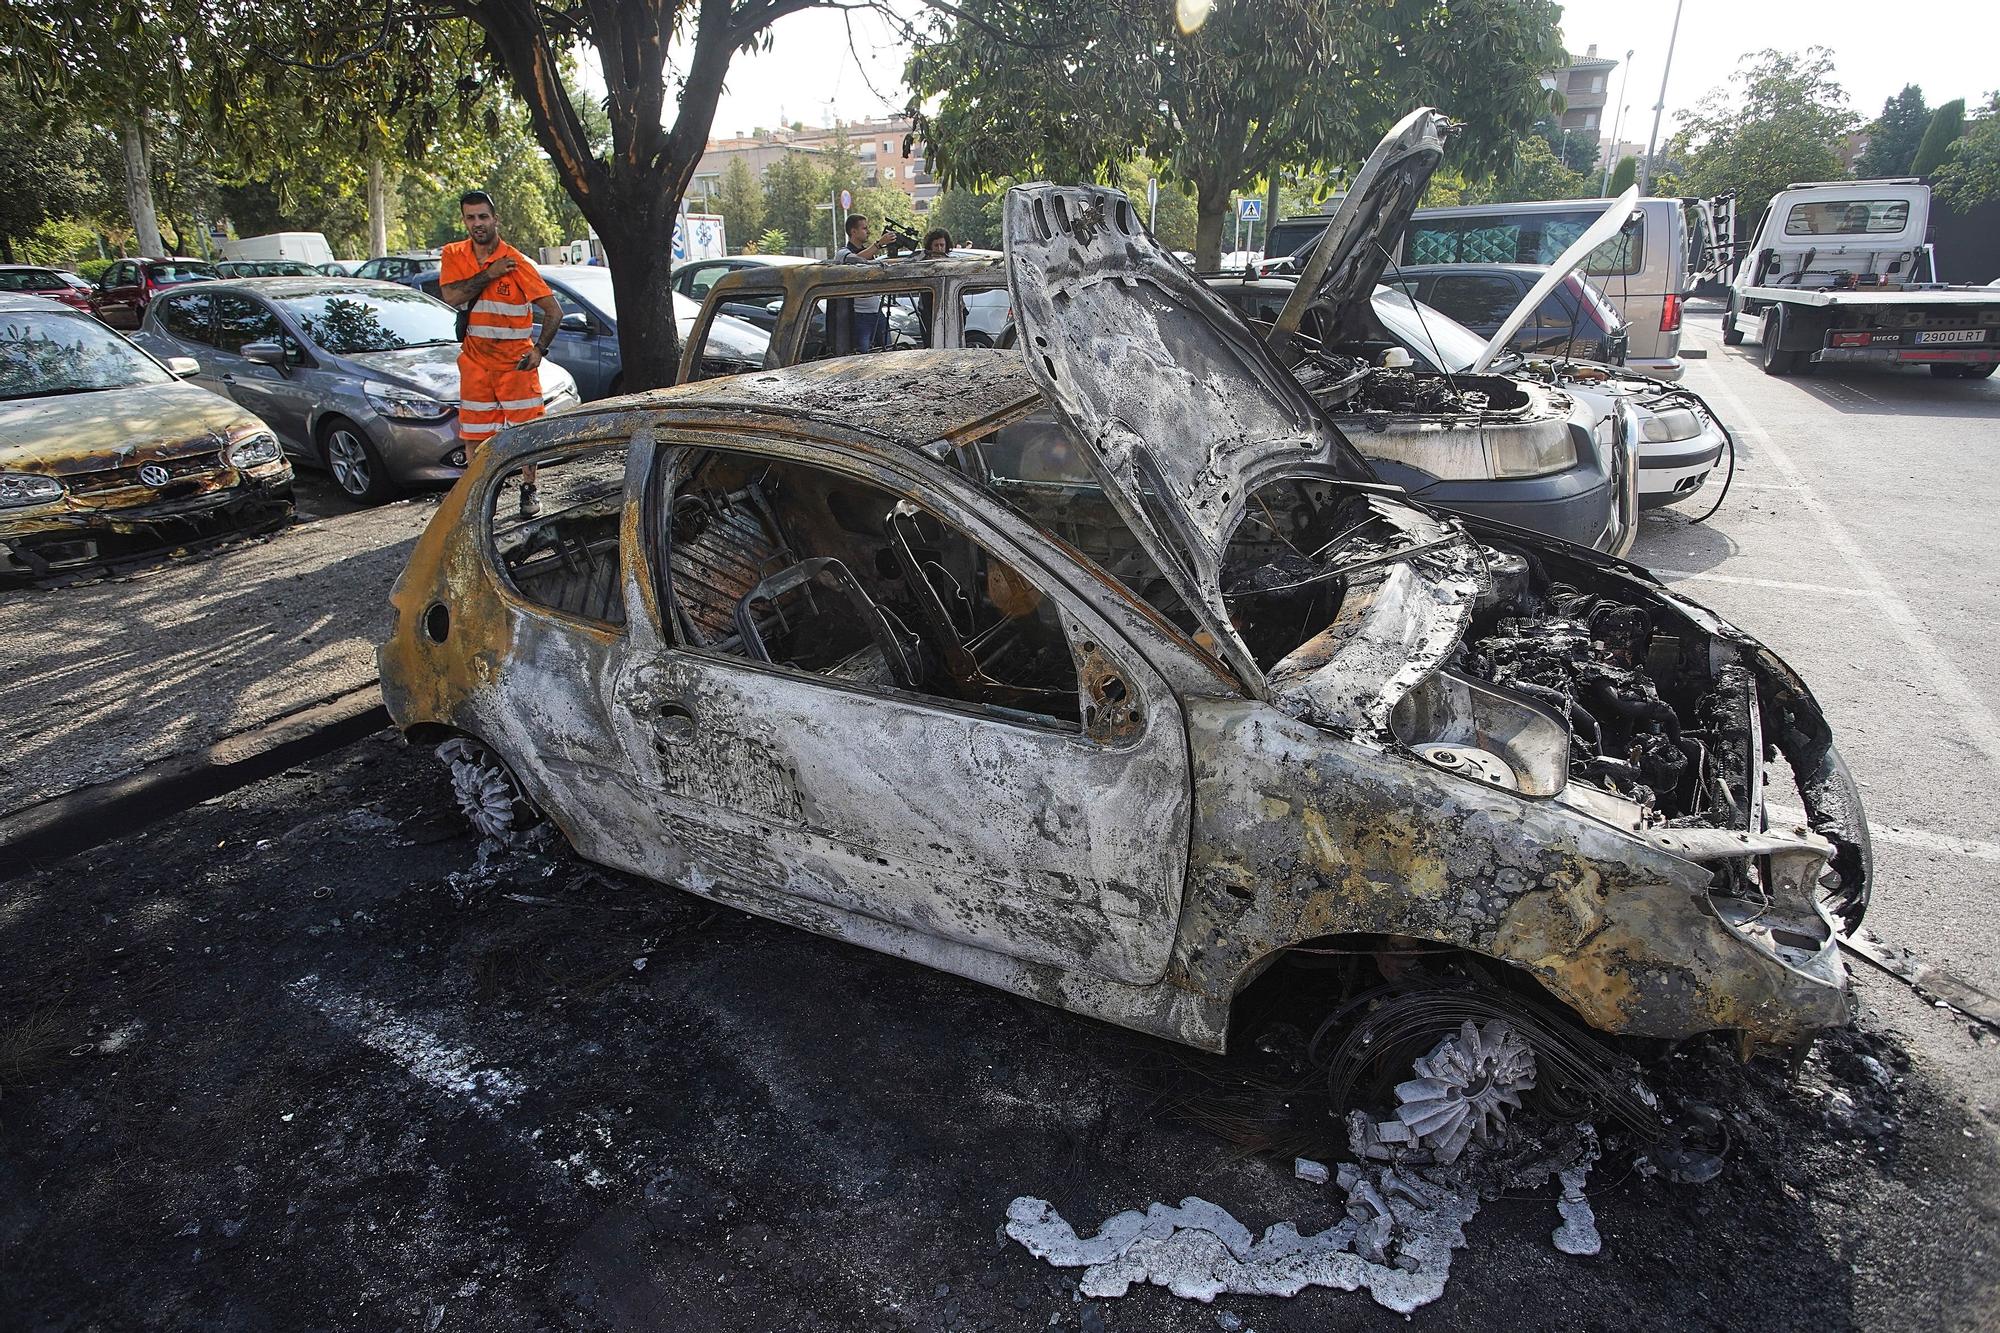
x: 1947, y: 124
x: 1624, y: 175
x: 795, y: 195
x: 1174, y: 222
x: 972, y: 219
x: 629, y: 192
x: 880, y: 203
x: 1893, y: 138
x: 1223, y: 106
x: 741, y: 201
x: 1970, y: 174
x: 1785, y: 127
x: 48, y: 171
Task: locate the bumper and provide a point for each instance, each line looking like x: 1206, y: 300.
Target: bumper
x: 48, y: 545
x: 1898, y: 356
x: 417, y: 452
x: 1580, y: 506
x: 1674, y: 471
x: 1659, y: 367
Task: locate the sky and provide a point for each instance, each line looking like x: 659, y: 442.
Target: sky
x: 1945, y: 46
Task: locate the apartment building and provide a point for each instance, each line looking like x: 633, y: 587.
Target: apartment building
x: 877, y: 144
x: 1585, y: 84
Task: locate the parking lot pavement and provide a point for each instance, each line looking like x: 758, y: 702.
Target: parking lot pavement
x: 1856, y: 542
x: 102, y: 679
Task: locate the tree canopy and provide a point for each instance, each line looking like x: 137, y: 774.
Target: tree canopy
x: 1947, y: 123
x: 1078, y: 87
x: 1894, y: 135
x: 1786, y: 125
x: 1970, y: 173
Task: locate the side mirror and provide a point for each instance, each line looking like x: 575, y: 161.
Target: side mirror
x: 184, y: 367
x: 264, y: 354
x: 575, y: 322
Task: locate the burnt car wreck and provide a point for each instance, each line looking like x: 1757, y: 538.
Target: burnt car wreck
x: 849, y: 645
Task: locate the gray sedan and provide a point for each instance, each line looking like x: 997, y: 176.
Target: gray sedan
x: 357, y: 377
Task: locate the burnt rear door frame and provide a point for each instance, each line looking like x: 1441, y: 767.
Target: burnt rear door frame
x: 891, y: 818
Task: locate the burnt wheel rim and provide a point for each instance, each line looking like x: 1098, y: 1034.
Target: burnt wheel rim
x: 348, y: 457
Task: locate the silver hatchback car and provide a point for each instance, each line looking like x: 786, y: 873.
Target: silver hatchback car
x: 357, y: 377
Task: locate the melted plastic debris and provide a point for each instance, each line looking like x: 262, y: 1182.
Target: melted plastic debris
x: 1406, y: 1213
x: 1578, y: 1232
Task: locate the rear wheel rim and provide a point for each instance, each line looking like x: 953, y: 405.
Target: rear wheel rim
x: 348, y: 457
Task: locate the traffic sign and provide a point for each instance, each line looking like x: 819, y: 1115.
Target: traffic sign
x: 1250, y: 210
x: 846, y: 200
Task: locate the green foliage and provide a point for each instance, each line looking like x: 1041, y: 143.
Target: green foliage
x: 795, y: 191
x: 1624, y: 175
x: 1786, y: 127
x: 772, y: 242
x: 90, y: 270
x: 1578, y: 152
x: 48, y: 171
x: 1970, y: 174
x: 880, y: 203
x: 1947, y: 124
x: 1174, y: 224
x: 972, y: 219
x: 1537, y: 173
x: 741, y: 201
x: 1895, y: 134
x: 1075, y: 88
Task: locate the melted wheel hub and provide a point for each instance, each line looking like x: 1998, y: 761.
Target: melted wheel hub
x: 486, y: 792
x: 1465, y: 1088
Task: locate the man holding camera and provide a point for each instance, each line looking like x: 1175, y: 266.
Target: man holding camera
x: 868, y: 328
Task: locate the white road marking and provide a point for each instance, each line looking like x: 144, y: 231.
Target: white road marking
x: 1977, y: 723
x: 1895, y: 834
x: 1788, y: 586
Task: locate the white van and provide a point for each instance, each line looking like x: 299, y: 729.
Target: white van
x: 308, y: 247
x: 1645, y: 273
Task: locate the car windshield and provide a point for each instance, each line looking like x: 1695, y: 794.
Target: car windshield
x: 168, y: 275
x: 1429, y: 332
x: 346, y: 321
x: 44, y: 354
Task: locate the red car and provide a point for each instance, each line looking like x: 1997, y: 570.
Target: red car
x: 29, y: 280
x: 129, y: 285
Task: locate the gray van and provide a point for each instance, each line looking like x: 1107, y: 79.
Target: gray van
x: 1645, y: 273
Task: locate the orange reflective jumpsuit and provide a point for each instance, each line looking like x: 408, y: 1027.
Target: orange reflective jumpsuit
x: 491, y: 392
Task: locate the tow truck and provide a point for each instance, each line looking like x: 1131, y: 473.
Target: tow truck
x: 1842, y: 272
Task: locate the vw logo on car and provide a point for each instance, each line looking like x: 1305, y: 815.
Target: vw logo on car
x: 155, y: 475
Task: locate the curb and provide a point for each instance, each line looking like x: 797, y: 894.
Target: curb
x: 79, y: 820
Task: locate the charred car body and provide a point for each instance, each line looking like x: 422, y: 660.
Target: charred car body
x: 816, y: 643
x: 108, y: 457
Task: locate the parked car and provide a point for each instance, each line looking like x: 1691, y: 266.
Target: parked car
x: 1680, y: 439
x: 338, y: 268
x: 357, y: 377
x: 265, y: 268
x: 107, y: 457
x: 394, y: 268
x: 795, y: 642
x: 1573, y: 320
x: 586, y: 342
x: 130, y: 285
x: 33, y: 280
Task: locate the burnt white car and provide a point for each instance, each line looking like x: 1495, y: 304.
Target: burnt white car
x: 824, y: 644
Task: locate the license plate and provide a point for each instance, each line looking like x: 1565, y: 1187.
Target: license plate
x: 1952, y: 336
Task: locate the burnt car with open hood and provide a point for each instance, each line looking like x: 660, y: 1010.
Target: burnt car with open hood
x: 821, y: 643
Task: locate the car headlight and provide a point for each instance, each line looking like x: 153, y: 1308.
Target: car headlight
x: 406, y: 404
x: 255, y: 450
x: 1676, y: 423
x: 27, y: 488
x: 1531, y: 451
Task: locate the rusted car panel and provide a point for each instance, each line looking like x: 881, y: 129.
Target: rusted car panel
x: 940, y: 284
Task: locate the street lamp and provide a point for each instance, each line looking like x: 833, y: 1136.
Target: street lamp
x: 1653, y: 139
x: 1624, y: 85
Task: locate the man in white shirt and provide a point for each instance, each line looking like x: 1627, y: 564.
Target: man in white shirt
x: 865, y: 316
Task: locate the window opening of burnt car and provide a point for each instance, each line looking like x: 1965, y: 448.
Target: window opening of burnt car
x: 904, y: 322
x: 566, y: 557
x: 812, y: 570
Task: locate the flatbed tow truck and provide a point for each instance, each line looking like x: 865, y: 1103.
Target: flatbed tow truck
x: 1842, y: 272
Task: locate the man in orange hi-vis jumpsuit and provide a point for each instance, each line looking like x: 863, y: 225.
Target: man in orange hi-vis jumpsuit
x: 498, y: 381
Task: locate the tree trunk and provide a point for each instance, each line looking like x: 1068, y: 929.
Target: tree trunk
x: 1211, y: 211
x: 378, y: 209
x: 639, y: 250
x: 139, y: 189
x: 1270, y: 214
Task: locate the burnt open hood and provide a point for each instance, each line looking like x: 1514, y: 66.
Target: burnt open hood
x: 1181, y: 409
x: 1339, y: 280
